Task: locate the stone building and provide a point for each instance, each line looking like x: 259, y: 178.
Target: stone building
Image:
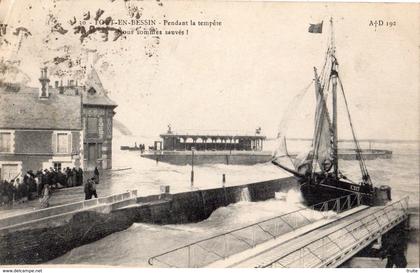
x: 39, y: 128
x: 55, y: 126
x: 97, y: 116
x: 97, y: 119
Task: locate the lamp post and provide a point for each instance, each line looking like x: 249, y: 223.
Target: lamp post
x: 192, y: 167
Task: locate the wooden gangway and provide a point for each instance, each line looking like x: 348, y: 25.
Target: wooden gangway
x: 325, y: 235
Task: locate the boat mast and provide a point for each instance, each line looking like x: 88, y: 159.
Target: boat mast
x: 334, y: 75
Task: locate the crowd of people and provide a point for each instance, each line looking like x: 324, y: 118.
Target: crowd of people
x: 38, y: 184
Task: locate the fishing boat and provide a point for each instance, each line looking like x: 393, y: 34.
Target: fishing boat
x: 318, y: 169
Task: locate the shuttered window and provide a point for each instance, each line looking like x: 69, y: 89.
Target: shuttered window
x: 62, y: 143
x: 92, y: 125
x: 5, y: 142
x: 99, y: 146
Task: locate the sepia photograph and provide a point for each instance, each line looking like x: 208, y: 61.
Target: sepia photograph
x: 209, y: 134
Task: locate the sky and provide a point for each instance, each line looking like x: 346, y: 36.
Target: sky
x: 240, y: 75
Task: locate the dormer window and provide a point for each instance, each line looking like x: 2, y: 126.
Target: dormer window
x: 91, y: 91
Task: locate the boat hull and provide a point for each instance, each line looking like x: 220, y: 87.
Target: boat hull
x: 315, y: 193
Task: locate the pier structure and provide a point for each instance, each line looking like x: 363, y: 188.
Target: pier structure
x: 180, y: 141
x: 309, y: 237
x: 52, y: 232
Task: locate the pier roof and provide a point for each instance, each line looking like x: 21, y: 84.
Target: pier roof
x: 230, y: 134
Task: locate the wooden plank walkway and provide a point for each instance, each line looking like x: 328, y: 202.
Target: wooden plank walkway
x: 323, y: 244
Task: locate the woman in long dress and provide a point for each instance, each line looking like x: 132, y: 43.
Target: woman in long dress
x: 46, y: 195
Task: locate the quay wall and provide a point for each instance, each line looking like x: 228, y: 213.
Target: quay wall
x: 247, y: 158
x: 371, y: 154
x: 41, y: 240
x: 232, y: 159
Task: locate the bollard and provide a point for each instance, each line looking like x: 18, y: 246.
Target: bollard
x: 192, y: 179
x: 223, y: 180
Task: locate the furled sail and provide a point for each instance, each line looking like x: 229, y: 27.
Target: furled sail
x: 323, y: 135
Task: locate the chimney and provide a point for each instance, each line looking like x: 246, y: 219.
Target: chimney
x: 44, y: 90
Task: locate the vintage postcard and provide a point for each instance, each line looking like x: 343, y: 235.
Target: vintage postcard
x: 209, y: 134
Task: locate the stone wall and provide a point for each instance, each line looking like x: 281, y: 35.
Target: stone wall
x: 48, y: 238
x: 233, y: 159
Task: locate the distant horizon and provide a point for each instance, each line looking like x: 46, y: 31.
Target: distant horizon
x: 269, y: 138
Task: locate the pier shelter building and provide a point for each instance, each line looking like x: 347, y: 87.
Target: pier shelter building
x: 172, y: 141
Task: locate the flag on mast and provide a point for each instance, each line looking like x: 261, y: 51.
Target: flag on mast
x: 315, y: 28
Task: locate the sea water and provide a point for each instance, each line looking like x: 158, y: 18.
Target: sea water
x: 133, y: 247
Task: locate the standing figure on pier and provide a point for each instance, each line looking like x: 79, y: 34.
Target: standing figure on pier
x: 79, y: 176
x: 94, y: 182
x: 39, y: 182
x: 46, y: 195
x: 96, y: 173
x: 88, y: 189
x: 74, y: 177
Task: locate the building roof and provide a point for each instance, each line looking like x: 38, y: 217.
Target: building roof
x: 214, y: 135
x: 24, y: 110
x: 102, y: 100
x: 99, y: 96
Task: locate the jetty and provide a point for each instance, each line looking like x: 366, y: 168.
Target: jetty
x: 342, y: 225
x: 296, y: 239
x: 54, y: 231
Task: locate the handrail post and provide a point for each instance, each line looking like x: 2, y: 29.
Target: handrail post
x: 349, y: 202
x: 189, y: 256
x: 253, y: 236
x: 326, y: 209
x: 404, y: 208
x: 338, y: 205
x: 225, y: 247
x: 302, y: 256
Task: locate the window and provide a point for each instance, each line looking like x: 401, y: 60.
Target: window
x: 109, y: 127
x: 99, y: 150
x: 57, y: 166
x: 9, y: 171
x: 92, y: 91
x: 62, y: 143
x: 5, y: 142
x: 92, y: 125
